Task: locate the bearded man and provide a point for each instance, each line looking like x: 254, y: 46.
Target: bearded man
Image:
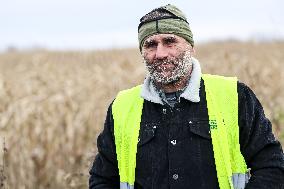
x: 183, y: 129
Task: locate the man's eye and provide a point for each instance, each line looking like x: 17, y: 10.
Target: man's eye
x: 170, y: 40
x: 150, y: 44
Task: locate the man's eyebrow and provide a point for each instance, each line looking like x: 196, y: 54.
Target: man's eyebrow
x: 149, y: 41
x: 170, y: 38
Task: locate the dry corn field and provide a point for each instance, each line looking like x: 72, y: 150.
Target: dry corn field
x: 53, y: 104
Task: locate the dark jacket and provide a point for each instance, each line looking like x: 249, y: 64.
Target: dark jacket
x: 175, y: 148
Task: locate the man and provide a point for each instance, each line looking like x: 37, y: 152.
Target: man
x: 190, y: 130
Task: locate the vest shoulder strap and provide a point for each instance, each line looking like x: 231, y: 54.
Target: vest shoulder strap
x: 127, y: 111
x: 222, y: 104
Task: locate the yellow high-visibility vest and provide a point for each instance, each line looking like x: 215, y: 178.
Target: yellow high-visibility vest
x: 222, y: 104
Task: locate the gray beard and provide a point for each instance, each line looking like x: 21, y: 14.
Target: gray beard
x: 181, y: 70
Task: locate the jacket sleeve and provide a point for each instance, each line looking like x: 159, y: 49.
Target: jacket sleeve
x: 262, y: 152
x: 104, y: 172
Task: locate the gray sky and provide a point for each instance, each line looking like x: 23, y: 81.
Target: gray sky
x: 87, y: 24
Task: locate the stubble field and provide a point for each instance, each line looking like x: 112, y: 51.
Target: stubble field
x: 53, y: 104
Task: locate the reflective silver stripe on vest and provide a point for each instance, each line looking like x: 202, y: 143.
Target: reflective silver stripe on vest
x: 125, y: 185
x: 240, y: 180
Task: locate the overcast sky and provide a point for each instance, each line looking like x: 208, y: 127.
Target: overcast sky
x: 88, y: 24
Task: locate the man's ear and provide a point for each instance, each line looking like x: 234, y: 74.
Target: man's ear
x: 192, y: 51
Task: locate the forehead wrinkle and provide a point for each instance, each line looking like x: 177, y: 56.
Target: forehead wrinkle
x: 163, y: 35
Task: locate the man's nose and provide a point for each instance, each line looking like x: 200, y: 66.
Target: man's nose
x: 161, y: 52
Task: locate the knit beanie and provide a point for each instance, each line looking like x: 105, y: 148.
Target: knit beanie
x: 166, y: 19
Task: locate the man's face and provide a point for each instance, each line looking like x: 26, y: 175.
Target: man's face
x: 167, y: 57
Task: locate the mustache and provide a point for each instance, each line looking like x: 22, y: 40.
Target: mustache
x: 164, y: 61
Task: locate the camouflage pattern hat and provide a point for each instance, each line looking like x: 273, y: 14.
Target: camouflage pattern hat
x: 166, y: 19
